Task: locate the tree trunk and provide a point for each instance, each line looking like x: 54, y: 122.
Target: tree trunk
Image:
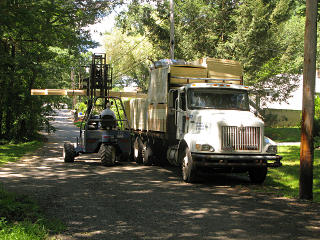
x: 309, y: 74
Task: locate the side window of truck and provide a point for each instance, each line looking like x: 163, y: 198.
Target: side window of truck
x: 182, y: 103
x: 172, y: 98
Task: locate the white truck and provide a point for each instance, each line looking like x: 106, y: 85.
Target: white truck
x: 197, y: 116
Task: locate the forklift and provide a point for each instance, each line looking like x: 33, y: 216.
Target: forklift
x: 105, y: 128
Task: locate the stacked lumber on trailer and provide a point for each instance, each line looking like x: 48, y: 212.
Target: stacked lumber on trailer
x: 178, y: 73
x: 207, y: 70
x: 78, y: 92
x: 224, y: 69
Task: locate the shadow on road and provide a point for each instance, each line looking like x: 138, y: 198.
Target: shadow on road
x: 130, y: 201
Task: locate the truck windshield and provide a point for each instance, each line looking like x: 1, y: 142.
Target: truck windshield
x: 229, y: 99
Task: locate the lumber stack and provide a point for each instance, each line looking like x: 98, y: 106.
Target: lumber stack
x: 79, y: 92
x: 207, y: 70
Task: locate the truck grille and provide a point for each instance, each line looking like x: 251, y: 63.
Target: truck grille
x: 240, y: 138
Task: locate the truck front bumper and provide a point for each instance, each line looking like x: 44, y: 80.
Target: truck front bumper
x: 243, y: 160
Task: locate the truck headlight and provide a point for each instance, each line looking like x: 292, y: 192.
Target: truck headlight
x: 204, y: 147
x: 272, y: 149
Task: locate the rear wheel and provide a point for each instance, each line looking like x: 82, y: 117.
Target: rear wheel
x: 107, y: 155
x: 258, y: 175
x: 188, y: 166
x: 147, y: 154
x: 68, y: 153
x: 137, y: 150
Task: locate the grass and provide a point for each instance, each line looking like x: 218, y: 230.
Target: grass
x: 284, y: 181
x: 21, y: 218
x: 12, y: 152
x: 283, y: 134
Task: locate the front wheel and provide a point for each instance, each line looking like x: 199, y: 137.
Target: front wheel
x: 107, y: 155
x: 188, y: 166
x: 258, y: 175
x: 68, y: 153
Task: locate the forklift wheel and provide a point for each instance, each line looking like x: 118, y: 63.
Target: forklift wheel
x: 147, y: 155
x: 137, y: 150
x: 108, y: 155
x: 68, y: 153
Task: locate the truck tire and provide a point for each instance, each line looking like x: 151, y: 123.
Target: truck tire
x: 68, y: 153
x: 107, y: 155
x: 188, y: 167
x: 137, y: 150
x: 258, y: 175
x: 147, y: 155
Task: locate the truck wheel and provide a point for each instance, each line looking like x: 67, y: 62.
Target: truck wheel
x: 147, y: 155
x: 68, y: 153
x: 107, y: 155
x: 137, y: 150
x: 258, y: 175
x: 188, y: 166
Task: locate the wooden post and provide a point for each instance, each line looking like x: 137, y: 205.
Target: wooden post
x: 309, y: 74
x: 172, y: 29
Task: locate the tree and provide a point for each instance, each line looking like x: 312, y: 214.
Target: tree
x: 31, y: 32
x: 130, y: 56
x: 200, y: 25
x: 309, y: 74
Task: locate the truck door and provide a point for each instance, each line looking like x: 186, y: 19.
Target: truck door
x: 181, y: 114
x: 171, y: 118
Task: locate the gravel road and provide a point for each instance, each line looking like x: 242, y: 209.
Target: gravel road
x: 130, y: 201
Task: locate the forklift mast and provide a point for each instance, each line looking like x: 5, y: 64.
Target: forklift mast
x: 100, y: 77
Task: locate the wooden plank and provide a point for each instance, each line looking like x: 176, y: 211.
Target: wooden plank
x: 188, y: 71
x: 223, y: 68
x: 182, y: 80
x: 78, y: 92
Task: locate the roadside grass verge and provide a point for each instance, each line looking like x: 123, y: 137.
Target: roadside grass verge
x: 13, y: 152
x: 21, y: 218
x: 283, y: 134
x: 284, y: 181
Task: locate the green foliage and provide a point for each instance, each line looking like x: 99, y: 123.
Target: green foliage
x: 81, y: 107
x: 316, y: 124
x: 130, y: 56
x: 40, y: 46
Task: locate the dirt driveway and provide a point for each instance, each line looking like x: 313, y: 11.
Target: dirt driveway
x: 130, y: 201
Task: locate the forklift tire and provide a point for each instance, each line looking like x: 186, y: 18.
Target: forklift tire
x: 137, y: 150
x: 147, y: 155
x: 258, y: 175
x: 188, y: 168
x: 107, y: 155
x: 68, y: 153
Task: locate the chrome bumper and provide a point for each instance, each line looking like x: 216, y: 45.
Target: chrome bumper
x: 243, y: 160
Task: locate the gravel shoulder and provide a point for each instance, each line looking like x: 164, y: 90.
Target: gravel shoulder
x: 130, y: 201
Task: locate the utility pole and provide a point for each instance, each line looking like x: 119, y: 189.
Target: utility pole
x: 74, y: 99
x: 172, y: 29
x: 309, y: 74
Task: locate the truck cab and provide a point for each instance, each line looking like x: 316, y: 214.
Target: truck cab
x: 215, y: 128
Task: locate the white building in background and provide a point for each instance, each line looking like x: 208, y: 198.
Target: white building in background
x: 289, y: 113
